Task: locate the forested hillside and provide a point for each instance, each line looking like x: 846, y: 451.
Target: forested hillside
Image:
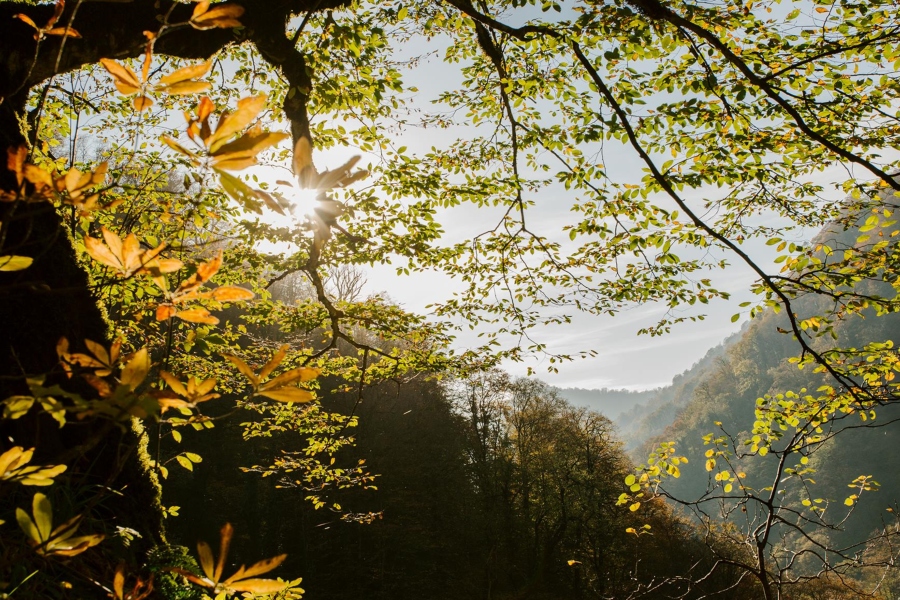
x: 483, y: 488
x: 719, y: 399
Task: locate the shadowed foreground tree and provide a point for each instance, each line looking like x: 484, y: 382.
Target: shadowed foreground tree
x: 740, y: 115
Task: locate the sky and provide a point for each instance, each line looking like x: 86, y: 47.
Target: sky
x: 624, y: 359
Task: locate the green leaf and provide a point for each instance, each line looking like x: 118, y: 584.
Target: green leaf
x: 13, y: 262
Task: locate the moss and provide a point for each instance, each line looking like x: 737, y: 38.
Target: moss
x: 169, y: 585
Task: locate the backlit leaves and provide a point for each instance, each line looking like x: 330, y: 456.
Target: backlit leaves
x: 50, y: 27
x: 282, y: 387
x: 185, y: 395
x: 14, y: 467
x: 47, y: 541
x: 127, y: 257
x: 243, y: 580
x: 15, y: 263
x: 218, y: 16
x: 189, y: 291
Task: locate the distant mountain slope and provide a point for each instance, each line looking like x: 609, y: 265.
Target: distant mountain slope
x: 649, y: 418
x: 610, y: 402
x: 722, y: 389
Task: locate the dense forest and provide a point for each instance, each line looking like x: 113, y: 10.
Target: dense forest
x: 202, y: 396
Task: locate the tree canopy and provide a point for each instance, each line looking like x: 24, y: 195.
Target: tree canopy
x: 146, y: 275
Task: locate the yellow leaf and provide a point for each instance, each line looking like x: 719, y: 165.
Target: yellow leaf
x: 243, y: 368
x: 173, y: 382
x: 171, y: 143
x: 206, y: 560
x: 13, y: 262
x: 235, y: 163
x: 187, y: 73
x: 259, y: 586
x: 821, y: 9
x: 43, y: 515
x: 224, y: 543
x: 276, y: 360
x: 298, y: 374
x: 184, y: 88
x: 251, y: 143
x: 302, y: 156
x: 263, y: 566
x: 28, y: 526
x: 223, y: 15
x: 634, y: 506
x: 101, y: 253
x: 288, y: 394
x: 136, y: 368
x: 230, y: 124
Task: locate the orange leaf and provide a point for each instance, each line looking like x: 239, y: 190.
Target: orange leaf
x: 185, y: 87
x: 197, y: 315
x: 209, y: 268
x: 186, y: 73
x: 231, y: 293
x: 125, y: 79
x: 223, y: 15
x: 26, y: 19
x: 141, y: 103
x: 247, y: 109
x: 259, y: 586
x: 65, y: 31
x: 165, y: 311
x: 201, y: 8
